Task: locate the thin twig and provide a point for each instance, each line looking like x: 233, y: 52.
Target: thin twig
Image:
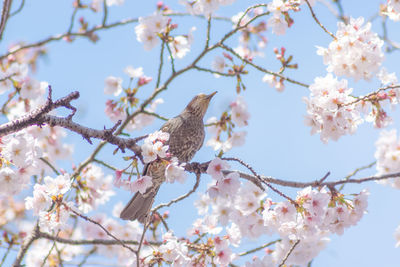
x: 48, y: 253
x: 247, y: 11
x: 5, y: 14
x: 215, y: 72
x: 171, y: 57
x: 160, y: 66
x: 9, y: 248
x: 72, y: 21
x: 356, y: 171
x: 259, y: 248
x: 105, y: 9
x: 318, y: 22
x: 21, y: 6
x: 104, y: 229
x: 112, y: 167
x: 145, y: 227
x: 90, y: 253
x: 289, y: 252
x: 368, y: 96
x: 104, y: 242
x: 59, y: 37
x: 155, y: 115
x: 261, y: 68
x: 50, y: 165
x: 208, y: 32
x: 260, y: 179
x: 25, y: 246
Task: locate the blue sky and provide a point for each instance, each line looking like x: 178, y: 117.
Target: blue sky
x: 278, y: 143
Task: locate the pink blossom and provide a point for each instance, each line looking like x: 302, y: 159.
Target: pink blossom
x: 216, y: 167
x: 141, y: 184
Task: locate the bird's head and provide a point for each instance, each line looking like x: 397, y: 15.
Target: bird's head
x: 199, y: 104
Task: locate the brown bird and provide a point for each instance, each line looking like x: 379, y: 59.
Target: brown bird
x: 186, y: 136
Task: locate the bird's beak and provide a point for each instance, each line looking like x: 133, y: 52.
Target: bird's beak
x: 211, y: 95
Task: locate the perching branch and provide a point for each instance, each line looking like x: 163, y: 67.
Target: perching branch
x: 40, y: 116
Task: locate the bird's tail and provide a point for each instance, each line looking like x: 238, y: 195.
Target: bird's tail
x: 139, y: 206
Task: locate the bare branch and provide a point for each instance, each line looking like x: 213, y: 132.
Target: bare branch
x: 40, y: 117
x: 104, y: 229
x: 105, y: 10
x: 59, y: 37
x: 35, y: 116
x: 25, y: 246
x: 372, y: 94
x: 21, y: 6
x: 259, y: 178
x: 5, y: 14
x: 215, y: 72
x: 105, y: 242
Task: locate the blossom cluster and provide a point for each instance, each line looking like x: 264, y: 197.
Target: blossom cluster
x: 116, y: 110
x: 245, y: 211
x: 328, y: 112
x: 52, y: 191
x: 392, y: 10
x: 42, y: 249
x: 355, y: 52
x: 333, y: 112
x: 129, y: 231
x: 246, y: 48
x: 93, y: 188
x: 387, y: 156
x: 151, y: 28
x: 154, y: 147
x: 20, y: 155
x: 239, y: 116
x: 205, y: 7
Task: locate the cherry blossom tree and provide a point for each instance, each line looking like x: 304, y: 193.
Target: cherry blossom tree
x: 58, y: 209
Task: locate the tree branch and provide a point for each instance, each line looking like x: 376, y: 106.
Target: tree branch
x: 25, y: 246
x: 5, y: 14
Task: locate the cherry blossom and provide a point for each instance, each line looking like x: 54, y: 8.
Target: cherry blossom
x: 392, y: 10
x: 324, y: 112
x: 141, y: 184
x: 219, y: 64
x: 113, y: 85
x: 181, y: 44
x: 148, y: 27
x: 134, y: 72
x: 356, y: 52
x: 240, y: 115
x: 216, y: 167
x: 154, y: 147
x: 97, y: 189
x: 32, y: 89
x: 175, y: 172
x: 387, y: 156
x: 205, y: 7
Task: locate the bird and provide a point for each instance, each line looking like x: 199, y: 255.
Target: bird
x: 186, y: 137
